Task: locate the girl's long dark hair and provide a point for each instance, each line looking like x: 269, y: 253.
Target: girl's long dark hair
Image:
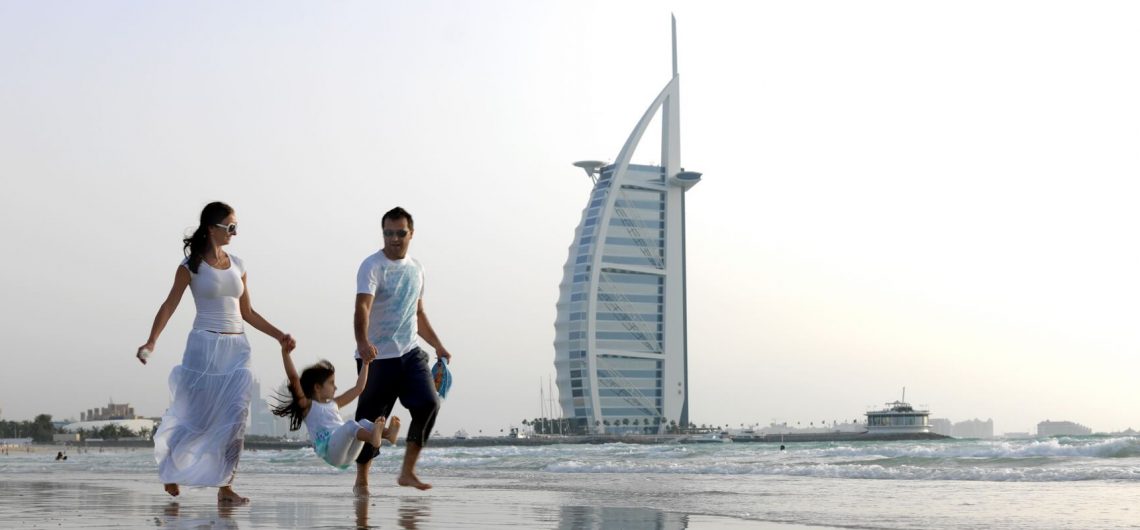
x: 195, y: 246
x: 288, y: 406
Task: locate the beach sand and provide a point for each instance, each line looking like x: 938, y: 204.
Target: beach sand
x: 92, y: 500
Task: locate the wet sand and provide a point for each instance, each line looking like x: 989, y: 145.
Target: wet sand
x: 89, y: 500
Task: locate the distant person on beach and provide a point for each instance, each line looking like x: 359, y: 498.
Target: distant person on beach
x: 313, y: 401
x: 201, y: 435
x: 388, y: 318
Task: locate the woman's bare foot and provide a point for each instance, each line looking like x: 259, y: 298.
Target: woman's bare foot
x: 227, y: 495
x: 413, y: 481
x: 377, y: 432
x: 392, y: 429
x: 172, y: 489
x: 361, y: 490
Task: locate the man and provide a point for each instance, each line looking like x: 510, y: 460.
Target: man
x: 389, y: 316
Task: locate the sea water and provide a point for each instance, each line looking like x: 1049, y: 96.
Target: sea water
x: 1064, y: 482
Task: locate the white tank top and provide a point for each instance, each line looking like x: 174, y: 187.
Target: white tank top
x: 217, y: 295
x: 322, y: 417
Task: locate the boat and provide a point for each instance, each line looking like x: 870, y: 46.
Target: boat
x: 461, y: 434
x: 712, y: 437
x: 899, y: 417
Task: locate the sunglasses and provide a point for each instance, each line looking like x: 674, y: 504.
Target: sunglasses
x: 230, y: 228
x: 396, y: 233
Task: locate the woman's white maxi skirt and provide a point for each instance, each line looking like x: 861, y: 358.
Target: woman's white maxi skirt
x: 200, y: 438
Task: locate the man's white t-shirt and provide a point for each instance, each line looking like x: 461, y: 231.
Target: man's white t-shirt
x: 396, y: 287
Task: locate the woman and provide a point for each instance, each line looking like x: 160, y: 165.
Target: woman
x: 200, y: 438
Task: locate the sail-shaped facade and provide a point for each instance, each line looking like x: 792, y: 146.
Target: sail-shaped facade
x: 621, y: 351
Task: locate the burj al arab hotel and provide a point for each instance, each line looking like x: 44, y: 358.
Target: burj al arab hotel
x: 621, y: 346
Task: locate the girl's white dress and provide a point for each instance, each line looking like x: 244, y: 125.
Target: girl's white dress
x: 334, y: 439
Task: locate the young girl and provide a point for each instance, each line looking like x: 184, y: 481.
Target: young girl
x: 315, y: 402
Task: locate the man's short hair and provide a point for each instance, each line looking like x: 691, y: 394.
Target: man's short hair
x: 396, y: 214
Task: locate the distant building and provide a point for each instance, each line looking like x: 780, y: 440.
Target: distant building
x: 899, y: 417
x: 262, y: 421
x: 1062, y: 428
x: 141, y: 426
x: 941, y: 426
x: 974, y: 428
x: 620, y: 344
x: 113, y: 411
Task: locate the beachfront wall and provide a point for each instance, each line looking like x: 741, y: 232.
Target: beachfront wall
x: 620, y: 334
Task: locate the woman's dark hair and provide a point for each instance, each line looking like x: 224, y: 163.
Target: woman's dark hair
x: 288, y: 406
x: 195, y: 246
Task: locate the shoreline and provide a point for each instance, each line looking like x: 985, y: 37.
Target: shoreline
x: 539, y: 440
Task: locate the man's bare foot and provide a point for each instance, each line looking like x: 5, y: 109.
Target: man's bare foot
x: 172, y: 489
x: 227, y: 495
x: 392, y: 430
x: 360, y: 485
x: 412, y: 481
x: 377, y: 432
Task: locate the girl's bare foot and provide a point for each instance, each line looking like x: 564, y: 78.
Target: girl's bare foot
x: 227, y: 495
x: 172, y: 489
x: 377, y: 431
x: 413, y: 481
x: 392, y: 430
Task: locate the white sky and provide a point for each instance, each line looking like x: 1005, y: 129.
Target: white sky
x: 932, y: 195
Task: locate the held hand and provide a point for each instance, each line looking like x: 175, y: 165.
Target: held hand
x: 367, y: 351
x: 442, y: 353
x: 144, y: 351
x: 288, y: 343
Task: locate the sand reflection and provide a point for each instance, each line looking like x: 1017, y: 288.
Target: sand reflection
x: 599, y: 517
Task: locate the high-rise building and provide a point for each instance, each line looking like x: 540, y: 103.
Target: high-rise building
x: 974, y: 428
x: 113, y: 411
x: 621, y: 351
x: 1062, y: 428
x: 941, y: 426
x: 262, y: 422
